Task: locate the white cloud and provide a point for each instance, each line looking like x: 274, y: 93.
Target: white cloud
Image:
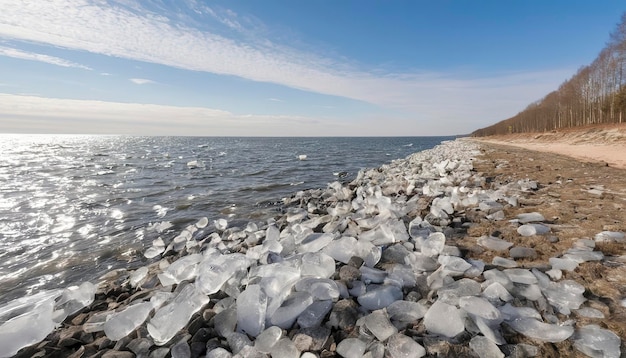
x: 31, y: 56
x: 141, y: 81
x: 115, y: 30
x: 31, y: 114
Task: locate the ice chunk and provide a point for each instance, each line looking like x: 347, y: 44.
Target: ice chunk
x: 75, y: 298
x: 218, y: 352
x: 380, y: 297
x: 406, y: 311
x: 526, y: 218
x: 378, y: 323
x: 477, y: 268
x: 158, y: 246
x: 609, y: 236
x: 503, y: 262
x: 494, y: 243
x: 444, y: 319
x: 214, y: 271
x: 314, y: 242
x: 597, y: 342
x: 319, y: 288
x: 451, y: 293
x: 533, y: 229
x: 251, y: 309
x: 26, y: 329
x: 122, y: 323
x: 480, y: 307
x: 184, y: 268
x: 267, y: 339
x: 314, y: 314
x: 372, y: 275
x: 589, y: 312
x: 510, y: 312
x: 351, y: 348
x: 317, y: 264
x: 434, y: 244
x: 453, y: 266
x: 290, y: 309
x: 563, y: 264
x: 285, y: 348
x: 583, y: 255
x: 521, y: 276
x: 535, y: 329
x: 171, y: 318
x: 564, y: 295
x: 137, y: 276
x: 401, y: 346
x: 485, y: 348
x: 220, y: 224
x: 421, y: 262
x: 495, y: 291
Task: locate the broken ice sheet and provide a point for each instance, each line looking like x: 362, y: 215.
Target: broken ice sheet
x: 444, y: 319
x: 597, y: 342
x: 535, y: 329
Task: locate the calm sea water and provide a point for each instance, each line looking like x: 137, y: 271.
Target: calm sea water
x: 75, y: 207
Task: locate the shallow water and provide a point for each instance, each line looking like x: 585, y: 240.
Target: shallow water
x: 74, y: 207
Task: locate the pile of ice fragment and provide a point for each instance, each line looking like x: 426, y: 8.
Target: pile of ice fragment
x: 359, y: 266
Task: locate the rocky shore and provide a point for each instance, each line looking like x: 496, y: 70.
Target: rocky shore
x: 468, y: 249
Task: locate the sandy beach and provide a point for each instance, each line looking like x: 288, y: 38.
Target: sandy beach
x: 604, y: 143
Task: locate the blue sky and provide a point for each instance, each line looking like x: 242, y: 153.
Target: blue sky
x: 287, y: 68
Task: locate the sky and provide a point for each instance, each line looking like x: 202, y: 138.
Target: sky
x: 287, y: 68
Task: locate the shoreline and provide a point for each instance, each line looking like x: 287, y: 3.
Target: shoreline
x: 464, y: 200
x: 600, y: 143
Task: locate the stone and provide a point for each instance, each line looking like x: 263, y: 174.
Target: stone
x: 343, y: 315
x: 533, y: 229
x: 519, y: 252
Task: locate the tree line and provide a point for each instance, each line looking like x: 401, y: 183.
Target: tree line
x: 596, y: 94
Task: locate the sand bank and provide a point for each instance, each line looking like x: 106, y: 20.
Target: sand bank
x: 593, y: 144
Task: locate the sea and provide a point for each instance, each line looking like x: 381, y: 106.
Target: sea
x: 73, y: 207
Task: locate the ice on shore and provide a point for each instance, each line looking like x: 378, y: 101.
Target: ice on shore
x: 444, y: 319
x: 597, y: 342
x: 494, y: 243
x: 251, y: 310
x: 536, y: 329
x: 20, y: 331
x: 171, y: 318
x: 533, y: 229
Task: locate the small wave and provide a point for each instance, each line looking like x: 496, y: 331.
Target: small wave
x: 296, y: 183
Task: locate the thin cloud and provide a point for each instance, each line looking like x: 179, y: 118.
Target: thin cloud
x: 135, y: 33
x: 31, y: 114
x: 141, y: 81
x: 31, y: 56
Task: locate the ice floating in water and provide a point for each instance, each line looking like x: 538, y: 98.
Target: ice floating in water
x: 302, y: 157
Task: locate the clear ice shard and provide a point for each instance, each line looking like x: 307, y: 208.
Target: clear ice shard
x: 434, y: 244
x: 319, y: 288
x: 215, y: 270
x: 171, y: 318
x: 444, y: 319
x: 530, y: 217
x: 75, y: 298
x: 380, y: 297
x: 494, y: 243
x: 480, y: 307
x: 533, y: 229
x: 251, y: 309
x: 535, y: 329
x: 291, y: 308
x: 597, y: 342
x: 378, y: 323
x: 406, y: 311
x: 120, y: 324
x: 401, y: 346
x: 485, y: 348
x: 351, y: 348
x: 137, y: 275
x: 28, y: 328
x: 267, y: 339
